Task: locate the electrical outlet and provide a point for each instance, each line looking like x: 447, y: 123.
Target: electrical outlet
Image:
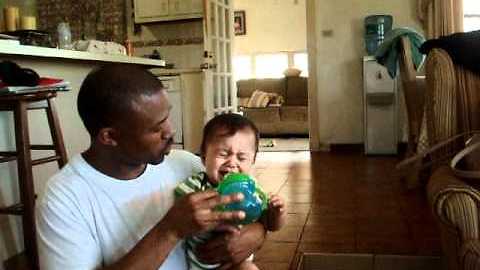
x: 327, y: 33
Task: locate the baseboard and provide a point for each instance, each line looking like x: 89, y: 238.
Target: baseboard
x: 359, y: 148
x: 347, y: 148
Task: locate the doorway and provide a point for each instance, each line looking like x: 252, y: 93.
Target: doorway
x: 270, y: 71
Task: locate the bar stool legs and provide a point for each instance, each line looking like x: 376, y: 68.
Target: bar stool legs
x: 20, y: 104
x: 25, y: 179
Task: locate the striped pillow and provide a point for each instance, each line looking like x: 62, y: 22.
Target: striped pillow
x: 259, y: 99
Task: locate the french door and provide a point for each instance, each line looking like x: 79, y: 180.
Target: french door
x: 219, y: 90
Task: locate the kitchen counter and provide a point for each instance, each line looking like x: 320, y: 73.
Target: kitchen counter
x: 43, y: 52
x: 174, y: 71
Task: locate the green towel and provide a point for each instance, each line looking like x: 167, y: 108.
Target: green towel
x: 388, y: 53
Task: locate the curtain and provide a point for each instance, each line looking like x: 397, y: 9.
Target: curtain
x: 441, y: 17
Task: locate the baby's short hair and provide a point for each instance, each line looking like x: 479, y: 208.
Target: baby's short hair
x: 231, y: 123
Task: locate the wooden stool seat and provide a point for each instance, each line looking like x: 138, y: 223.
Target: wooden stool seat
x: 20, y: 104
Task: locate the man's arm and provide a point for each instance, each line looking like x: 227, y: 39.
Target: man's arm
x: 188, y: 215
x: 232, y: 248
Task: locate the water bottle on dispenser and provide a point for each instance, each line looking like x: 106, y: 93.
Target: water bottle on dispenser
x: 376, y: 27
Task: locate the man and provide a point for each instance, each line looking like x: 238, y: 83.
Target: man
x: 112, y: 207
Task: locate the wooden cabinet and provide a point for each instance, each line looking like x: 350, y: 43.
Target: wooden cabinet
x: 167, y: 10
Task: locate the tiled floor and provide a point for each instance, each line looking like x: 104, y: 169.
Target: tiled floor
x: 343, y: 203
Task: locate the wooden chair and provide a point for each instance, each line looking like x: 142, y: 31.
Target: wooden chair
x: 414, y: 93
x: 19, y: 104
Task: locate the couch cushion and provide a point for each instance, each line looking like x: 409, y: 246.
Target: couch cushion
x: 297, y: 91
x: 243, y: 102
x: 262, y: 115
x: 247, y: 87
x: 294, y: 113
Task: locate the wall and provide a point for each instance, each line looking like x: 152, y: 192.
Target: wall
x: 339, y: 62
x: 272, y: 26
x: 94, y: 19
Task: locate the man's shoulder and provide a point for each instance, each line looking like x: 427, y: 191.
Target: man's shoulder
x: 181, y: 159
x: 67, y: 180
x: 182, y: 155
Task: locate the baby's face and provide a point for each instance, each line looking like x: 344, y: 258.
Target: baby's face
x: 225, y: 154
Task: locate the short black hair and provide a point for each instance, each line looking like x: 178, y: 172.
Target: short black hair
x: 107, y: 93
x: 231, y: 123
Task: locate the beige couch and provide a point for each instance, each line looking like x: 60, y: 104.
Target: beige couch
x: 290, y: 118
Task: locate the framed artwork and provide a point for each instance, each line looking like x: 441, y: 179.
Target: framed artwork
x: 239, y: 24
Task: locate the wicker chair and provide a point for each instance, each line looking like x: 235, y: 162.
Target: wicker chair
x: 452, y: 107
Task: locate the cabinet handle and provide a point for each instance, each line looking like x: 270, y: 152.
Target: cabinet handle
x: 379, y: 75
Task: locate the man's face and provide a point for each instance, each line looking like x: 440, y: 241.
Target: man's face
x: 146, y: 135
x: 225, y: 154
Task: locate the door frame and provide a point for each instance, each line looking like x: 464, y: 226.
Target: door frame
x: 313, y: 111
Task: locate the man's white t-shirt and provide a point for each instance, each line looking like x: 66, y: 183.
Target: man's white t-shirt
x: 87, y: 219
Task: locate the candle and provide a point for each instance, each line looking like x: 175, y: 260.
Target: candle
x: 10, y: 14
x: 28, y: 23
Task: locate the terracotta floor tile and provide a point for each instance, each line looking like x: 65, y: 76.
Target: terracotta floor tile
x: 384, y: 245
x: 272, y: 266
x: 286, y: 234
x: 299, y: 208
x: 347, y: 202
x: 296, y: 219
x: 276, y: 252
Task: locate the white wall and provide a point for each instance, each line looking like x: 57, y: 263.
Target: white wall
x: 339, y: 62
x: 75, y: 136
x: 272, y: 26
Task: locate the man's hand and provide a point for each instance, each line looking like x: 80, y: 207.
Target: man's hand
x: 232, y: 247
x: 196, y: 212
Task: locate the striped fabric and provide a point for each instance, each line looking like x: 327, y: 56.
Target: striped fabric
x: 259, y: 99
x: 456, y: 208
x: 470, y: 258
x: 196, y: 182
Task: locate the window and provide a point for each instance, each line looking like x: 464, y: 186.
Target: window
x: 270, y: 65
x: 242, y: 65
x: 300, y: 61
x: 471, y: 15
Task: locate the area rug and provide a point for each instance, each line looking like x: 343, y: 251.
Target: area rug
x: 283, y: 144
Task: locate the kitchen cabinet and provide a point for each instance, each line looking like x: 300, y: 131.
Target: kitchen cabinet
x: 167, y: 10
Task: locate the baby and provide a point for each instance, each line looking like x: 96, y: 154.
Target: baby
x: 229, y: 145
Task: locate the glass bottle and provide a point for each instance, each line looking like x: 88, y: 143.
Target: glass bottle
x: 64, y: 36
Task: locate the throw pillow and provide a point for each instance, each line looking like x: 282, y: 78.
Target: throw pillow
x: 292, y: 72
x: 276, y: 100
x: 259, y: 99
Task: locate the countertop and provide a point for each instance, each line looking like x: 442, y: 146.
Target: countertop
x: 174, y: 71
x: 43, y: 52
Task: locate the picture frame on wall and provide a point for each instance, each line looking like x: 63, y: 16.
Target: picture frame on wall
x: 239, y: 25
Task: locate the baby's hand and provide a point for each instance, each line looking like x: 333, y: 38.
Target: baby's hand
x: 276, y: 212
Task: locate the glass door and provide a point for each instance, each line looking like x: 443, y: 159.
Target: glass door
x: 220, y: 92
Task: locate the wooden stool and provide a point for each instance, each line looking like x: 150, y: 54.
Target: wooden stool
x: 19, y: 104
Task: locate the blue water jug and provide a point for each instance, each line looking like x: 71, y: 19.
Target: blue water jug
x: 376, y: 27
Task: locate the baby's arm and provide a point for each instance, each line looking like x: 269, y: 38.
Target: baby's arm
x: 276, y: 213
